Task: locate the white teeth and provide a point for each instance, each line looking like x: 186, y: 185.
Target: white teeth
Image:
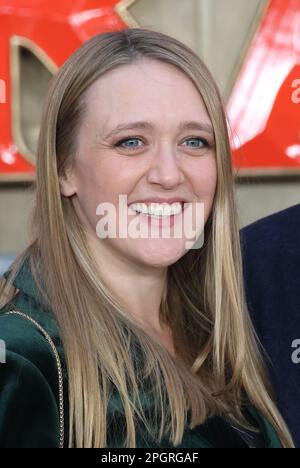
x: 157, y: 209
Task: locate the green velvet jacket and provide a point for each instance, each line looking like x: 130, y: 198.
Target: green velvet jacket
x: 29, y: 387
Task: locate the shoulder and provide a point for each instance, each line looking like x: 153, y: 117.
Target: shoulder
x: 29, y: 417
x: 29, y: 412
x: 271, y: 251
x: 278, y: 230
x: 271, y: 261
x: 21, y: 335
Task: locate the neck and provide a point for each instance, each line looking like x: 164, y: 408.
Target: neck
x: 138, y: 288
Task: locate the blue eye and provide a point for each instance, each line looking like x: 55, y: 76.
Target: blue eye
x: 121, y: 142
x: 204, y: 143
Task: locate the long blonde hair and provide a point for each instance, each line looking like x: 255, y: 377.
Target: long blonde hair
x: 219, y: 366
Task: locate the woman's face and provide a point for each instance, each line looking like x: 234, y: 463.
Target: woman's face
x: 161, y: 159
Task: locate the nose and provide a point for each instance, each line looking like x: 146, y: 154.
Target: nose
x: 165, y: 168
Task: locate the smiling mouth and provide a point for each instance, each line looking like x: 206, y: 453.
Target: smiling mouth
x: 148, y: 215
x: 175, y: 213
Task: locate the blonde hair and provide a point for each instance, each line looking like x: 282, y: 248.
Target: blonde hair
x: 219, y: 366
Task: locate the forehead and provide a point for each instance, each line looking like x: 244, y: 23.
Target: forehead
x: 147, y: 87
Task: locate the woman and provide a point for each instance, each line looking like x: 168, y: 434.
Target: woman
x: 124, y: 341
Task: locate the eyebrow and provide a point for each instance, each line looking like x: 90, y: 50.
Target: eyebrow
x: 144, y: 124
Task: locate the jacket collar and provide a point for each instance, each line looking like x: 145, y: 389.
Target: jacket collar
x: 24, y: 281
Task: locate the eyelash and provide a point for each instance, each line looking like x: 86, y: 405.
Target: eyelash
x: 204, y: 141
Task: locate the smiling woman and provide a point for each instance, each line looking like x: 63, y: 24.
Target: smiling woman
x: 124, y: 341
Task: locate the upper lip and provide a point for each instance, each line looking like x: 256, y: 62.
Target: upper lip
x: 160, y: 200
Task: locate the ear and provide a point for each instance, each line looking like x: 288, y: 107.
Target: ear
x: 67, y: 184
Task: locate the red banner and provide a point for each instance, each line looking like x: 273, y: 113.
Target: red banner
x: 264, y: 109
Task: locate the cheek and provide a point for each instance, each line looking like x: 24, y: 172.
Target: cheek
x: 100, y: 182
x: 92, y: 180
x: 204, y: 178
x: 204, y: 184
x: 90, y: 185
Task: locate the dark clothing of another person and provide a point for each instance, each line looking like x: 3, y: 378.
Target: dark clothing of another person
x: 271, y: 251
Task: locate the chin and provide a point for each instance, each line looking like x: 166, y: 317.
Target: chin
x: 162, y: 253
